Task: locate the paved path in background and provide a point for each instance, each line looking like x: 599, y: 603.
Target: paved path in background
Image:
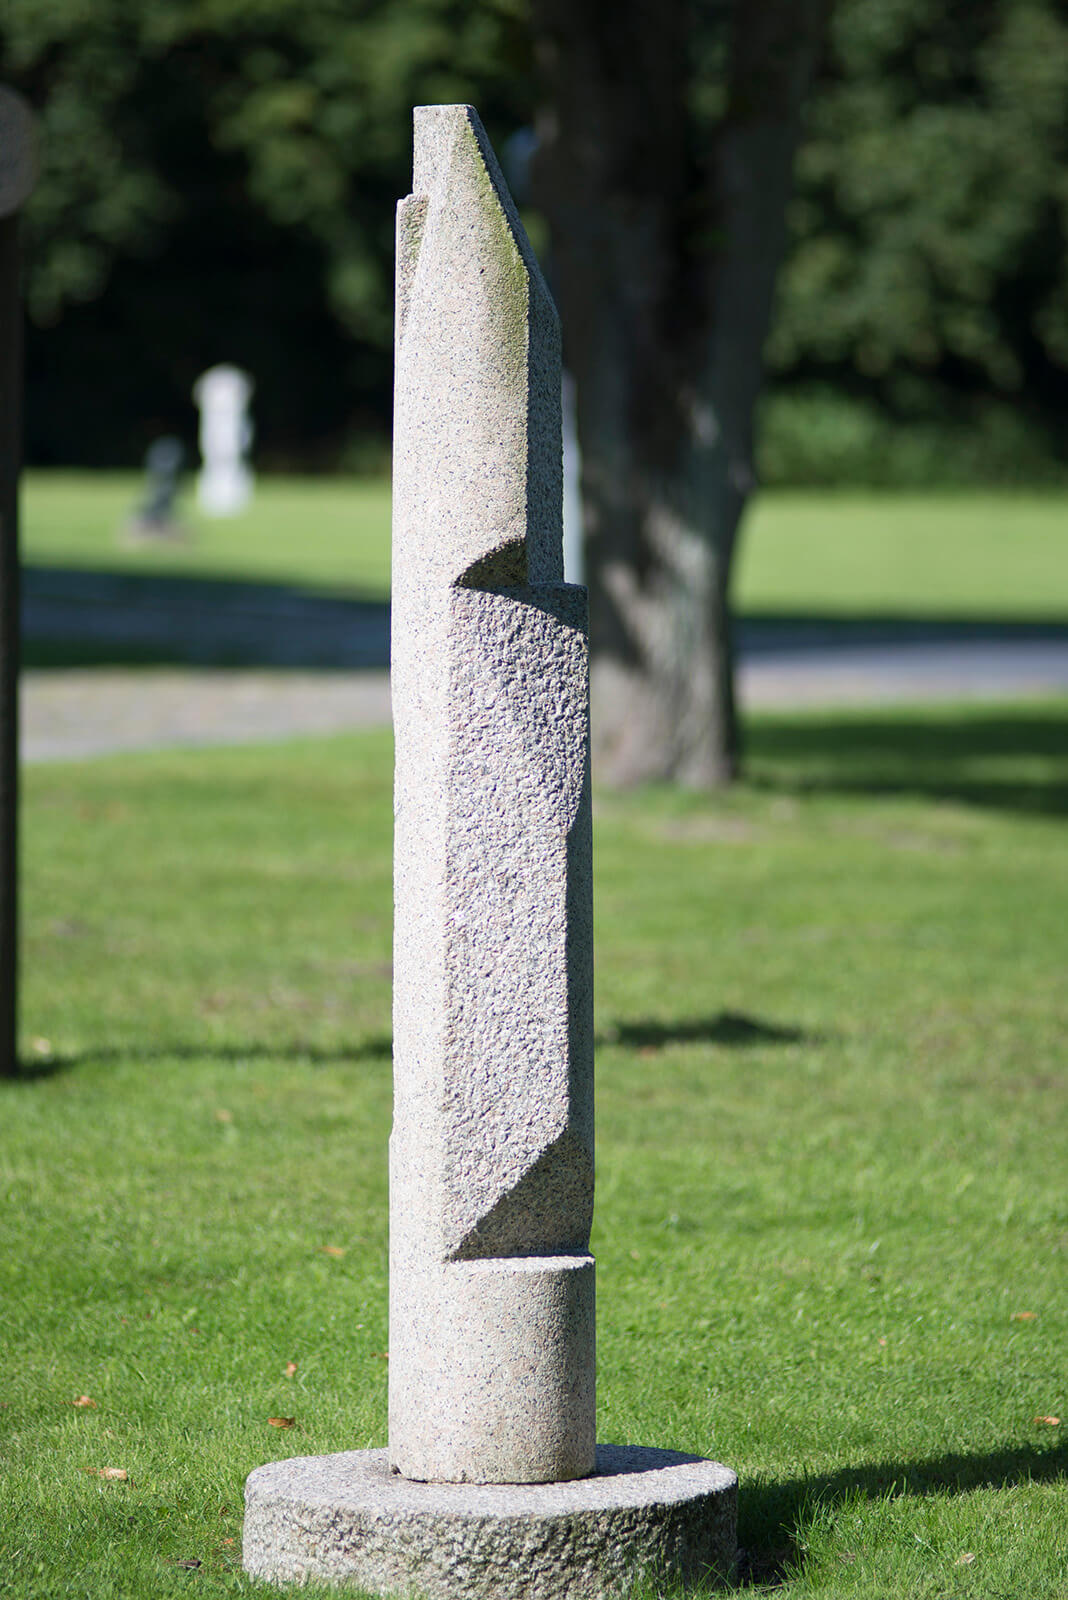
x: 886, y: 673
x: 90, y: 711
x: 260, y: 661
x: 87, y: 711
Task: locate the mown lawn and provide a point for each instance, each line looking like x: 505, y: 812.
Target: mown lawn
x: 831, y: 1225
x: 321, y: 532
x: 988, y: 554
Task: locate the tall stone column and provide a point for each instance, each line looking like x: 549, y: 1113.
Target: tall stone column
x: 491, y: 1158
x: 492, y: 1487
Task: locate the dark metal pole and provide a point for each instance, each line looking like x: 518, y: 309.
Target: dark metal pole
x: 16, y: 181
x: 10, y: 460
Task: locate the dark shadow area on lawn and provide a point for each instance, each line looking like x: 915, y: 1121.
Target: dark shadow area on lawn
x: 83, y: 617
x: 731, y: 1028
x: 939, y: 756
x: 769, y: 1513
x: 760, y: 632
x: 378, y: 1047
x: 88, y: 616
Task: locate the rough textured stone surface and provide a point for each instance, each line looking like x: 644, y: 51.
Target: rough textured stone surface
x: 492, y: 1486
x: 491, y: 1158
x: 347, y: 1520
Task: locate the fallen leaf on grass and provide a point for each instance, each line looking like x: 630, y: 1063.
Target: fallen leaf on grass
x: 966, y: 1559
x: 114, y: 1474
x: 291, y: 1367
x: 882, y: 1341
x: 380, y: 1355
x: 1023, y: 1316
x: 332, y: 1250
x: 227, y: 1541
x: 224, y: 1116
x: 83, y: 1401
x: 1051, y: 1422
x: 282, y: 1422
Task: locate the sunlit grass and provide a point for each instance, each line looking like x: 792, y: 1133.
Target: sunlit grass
x: 831, y: 1227
x: 951, y: 554
x: 312, y: 531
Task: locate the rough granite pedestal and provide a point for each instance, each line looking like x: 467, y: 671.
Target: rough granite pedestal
x: 348, y: 1519
x: 492, y: 1484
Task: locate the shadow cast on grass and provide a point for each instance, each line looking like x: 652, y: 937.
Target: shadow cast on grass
x: 731, y: 1028
x: 760, y: 632
x: 377, y: 1047
x: 1006, y: 760
x: 724, y: 1028
x: 769, y: 1513
x: 73, y: 617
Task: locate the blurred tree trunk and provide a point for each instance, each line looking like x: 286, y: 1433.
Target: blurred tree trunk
x: 664, y: 262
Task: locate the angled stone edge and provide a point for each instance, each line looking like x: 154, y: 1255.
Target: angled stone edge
x: 477, y: 440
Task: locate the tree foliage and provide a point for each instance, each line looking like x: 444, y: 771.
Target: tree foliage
x: 927, y: 277
x: 218, y: 181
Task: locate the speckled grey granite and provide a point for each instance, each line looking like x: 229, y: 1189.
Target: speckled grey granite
x: 346, y: 1519
x: 491, y: 1158
x: 492, y: 1485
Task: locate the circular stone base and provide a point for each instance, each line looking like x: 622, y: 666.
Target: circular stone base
x: 348, y: 1519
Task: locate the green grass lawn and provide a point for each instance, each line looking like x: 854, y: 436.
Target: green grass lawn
x: 997, y: 555
x: 942, y: 555
x: 321, y: 532
x: 831, y: 1223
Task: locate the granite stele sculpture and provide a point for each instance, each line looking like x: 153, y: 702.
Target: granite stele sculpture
x: 492, y: 1485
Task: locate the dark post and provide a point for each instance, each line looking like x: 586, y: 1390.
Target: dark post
x: 16, y: 181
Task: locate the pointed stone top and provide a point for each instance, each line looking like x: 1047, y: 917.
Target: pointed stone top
x: 446, y: 137
x: 477, y: 439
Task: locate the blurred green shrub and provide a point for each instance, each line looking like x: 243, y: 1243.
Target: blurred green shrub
x: 921, y: 333
x: 820, y: 437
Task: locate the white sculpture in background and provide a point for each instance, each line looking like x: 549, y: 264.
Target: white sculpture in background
x: 224, y: 485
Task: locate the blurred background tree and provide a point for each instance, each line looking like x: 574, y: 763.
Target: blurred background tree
x: 921, y: 323
x: 219, y: 179
x: 667, y: 148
